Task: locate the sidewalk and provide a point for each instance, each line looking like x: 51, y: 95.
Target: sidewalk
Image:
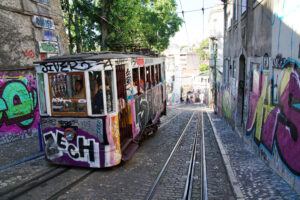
x: 249, y: 176
x: 17, y: 151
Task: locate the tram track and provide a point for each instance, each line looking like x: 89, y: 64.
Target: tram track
x: 54, y: 182
x: 189, y: 177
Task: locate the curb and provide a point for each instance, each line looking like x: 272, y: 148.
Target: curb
x: 234, y: 182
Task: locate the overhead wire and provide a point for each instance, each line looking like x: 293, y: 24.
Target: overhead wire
x: 187, y: 35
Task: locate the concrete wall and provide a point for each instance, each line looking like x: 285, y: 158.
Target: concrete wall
x: 266, y: 111
x: 30, y: 31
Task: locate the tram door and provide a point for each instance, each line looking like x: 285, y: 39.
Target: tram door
x: 125, y: 127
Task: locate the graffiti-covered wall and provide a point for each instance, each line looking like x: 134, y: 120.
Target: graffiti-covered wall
x: 19, y: 115
x: 271, y: 88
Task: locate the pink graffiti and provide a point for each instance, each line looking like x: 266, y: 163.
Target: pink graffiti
x: 281, y: 126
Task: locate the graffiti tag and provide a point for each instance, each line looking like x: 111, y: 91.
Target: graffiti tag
x: 65, y: 66
x: 48, y: 47
x: 28, y: 53
x: 85, y: 150
x: 17, y: 104
x: 48, y: 35
x: 278, y: 61
x: 43, y: 22
x: 42, y: 1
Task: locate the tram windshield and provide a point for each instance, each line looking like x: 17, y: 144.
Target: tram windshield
x: 67, y: 92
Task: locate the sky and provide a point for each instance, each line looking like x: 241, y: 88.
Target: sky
x: 192, y: 31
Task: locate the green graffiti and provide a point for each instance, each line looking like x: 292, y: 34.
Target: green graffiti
x: 49, y: 47
x: 3, y: 107
x: 18, y: 103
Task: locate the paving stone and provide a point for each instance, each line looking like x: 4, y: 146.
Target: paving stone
x: 256, y: 180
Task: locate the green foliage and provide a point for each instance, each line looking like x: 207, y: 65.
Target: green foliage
x: 120, y: 24
x: 202, y: 50
x: 204, y: 67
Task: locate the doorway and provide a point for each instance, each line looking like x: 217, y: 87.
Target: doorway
x: 241, y: 91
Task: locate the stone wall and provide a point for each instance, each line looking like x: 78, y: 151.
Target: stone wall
x: 30, y: 31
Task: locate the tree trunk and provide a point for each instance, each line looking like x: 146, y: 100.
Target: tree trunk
x: 77, y: 29
x: 67, y: 10
x: 104, y: 25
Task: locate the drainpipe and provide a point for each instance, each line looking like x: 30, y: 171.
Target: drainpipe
x: 215, y: 60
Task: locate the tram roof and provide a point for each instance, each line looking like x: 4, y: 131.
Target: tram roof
x: 93, y: 56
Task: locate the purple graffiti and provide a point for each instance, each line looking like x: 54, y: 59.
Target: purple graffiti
x: 281, y: 125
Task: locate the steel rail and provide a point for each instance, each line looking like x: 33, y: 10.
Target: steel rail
x: 189, y: 181
x: 150, y: 193
x: 32, y: 183
x: 162, y: 125
x: 203, y: 171
x: 71, y: 185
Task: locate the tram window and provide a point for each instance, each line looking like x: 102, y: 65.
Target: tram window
x: 109, y: 91
x: 67, y: 92
x: 41, y: 94
x: 135, y: 78
x: 156, y: 74
x: 152, y: 75
x: 142, y: 80
x: 148, y: 81
x: 159, y: 73
x: 96, y: 92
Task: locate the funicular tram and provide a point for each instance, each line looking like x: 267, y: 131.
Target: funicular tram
x: 95, y: 108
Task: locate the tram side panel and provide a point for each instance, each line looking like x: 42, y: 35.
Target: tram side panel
x: 96, y: 145
x: 148, y: 107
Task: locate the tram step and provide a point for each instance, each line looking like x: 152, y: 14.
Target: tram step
x: 129, y: 151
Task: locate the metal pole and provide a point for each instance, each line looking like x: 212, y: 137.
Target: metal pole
x: 215, y: 60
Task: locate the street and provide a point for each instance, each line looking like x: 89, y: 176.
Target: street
x: 37, y: 179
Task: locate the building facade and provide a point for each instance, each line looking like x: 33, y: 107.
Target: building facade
x: 216, y: 45
x: 260, y: 91
x: 31, y: 30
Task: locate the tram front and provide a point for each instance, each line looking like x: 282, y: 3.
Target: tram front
x: 78, y: 110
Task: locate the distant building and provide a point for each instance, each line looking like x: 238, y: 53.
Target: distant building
x: 182, y: 65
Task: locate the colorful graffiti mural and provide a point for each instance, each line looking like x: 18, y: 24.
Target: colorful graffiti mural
x: 18, y: 107
x: 274, y: 112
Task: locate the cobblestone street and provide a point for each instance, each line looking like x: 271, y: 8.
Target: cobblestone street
x: 133, y: 179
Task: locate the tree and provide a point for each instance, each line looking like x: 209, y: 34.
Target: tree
x: 120, y: 24
x: 204, y: 67
x: 202, y: 50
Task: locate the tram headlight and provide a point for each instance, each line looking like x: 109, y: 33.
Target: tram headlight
x: 70, y: 134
